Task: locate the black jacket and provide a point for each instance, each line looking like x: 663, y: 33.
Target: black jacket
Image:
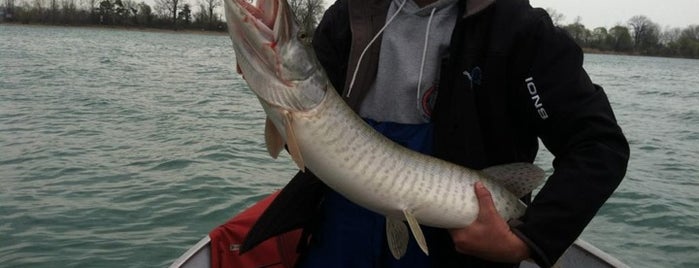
x: 525, y: 81
x: 511, y: 78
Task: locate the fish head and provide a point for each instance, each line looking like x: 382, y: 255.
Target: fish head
x: 272, y: 54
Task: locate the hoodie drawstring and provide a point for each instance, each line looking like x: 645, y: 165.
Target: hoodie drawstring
x: 422, y: 63
x: 359, y: 62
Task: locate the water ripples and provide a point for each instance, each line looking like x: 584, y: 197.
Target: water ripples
x: 122, y: 153
x: 123, y: 148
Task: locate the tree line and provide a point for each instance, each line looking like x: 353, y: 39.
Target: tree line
x: 168, y: 14
x: 164, y: 14
x: 639, y: 36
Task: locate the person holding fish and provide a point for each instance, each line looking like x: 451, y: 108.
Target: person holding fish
x: 476, y: 83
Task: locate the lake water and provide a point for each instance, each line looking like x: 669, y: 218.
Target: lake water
x: 123, y: 148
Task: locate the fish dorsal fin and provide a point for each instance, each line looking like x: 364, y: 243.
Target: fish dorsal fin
x: 397, y: 237
x: 518, y: 178
x: 292, y: 143
x: 273, y: 140
x: 416, y: 230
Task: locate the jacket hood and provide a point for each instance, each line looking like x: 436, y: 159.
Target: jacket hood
x: 412, y: 8
x: 475, y: 6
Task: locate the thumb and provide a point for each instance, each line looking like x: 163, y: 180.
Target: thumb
x: 485, y: 200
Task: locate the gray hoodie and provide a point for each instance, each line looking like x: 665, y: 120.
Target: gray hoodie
x: 412, y: 46
x: 401, y: 66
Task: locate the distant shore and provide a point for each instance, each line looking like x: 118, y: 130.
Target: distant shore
x: 224, y: 32
x: 125, y: 28
x: 620, y: 53
x: 588, y: 50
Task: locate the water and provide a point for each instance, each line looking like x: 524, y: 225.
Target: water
x: 652, y: 219
x: 123, y: 148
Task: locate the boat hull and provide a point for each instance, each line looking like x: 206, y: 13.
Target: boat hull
x: 580, y: 255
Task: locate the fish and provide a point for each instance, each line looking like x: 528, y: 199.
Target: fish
x: 323, y: 134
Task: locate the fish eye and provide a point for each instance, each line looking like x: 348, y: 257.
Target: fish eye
x: 304, y: 38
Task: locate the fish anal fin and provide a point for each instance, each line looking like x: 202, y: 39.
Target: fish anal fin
x: 273, y: 139
x: 397, y: 237
x: 519, y: 178
x: 291, y: 142
x: 416, y: 230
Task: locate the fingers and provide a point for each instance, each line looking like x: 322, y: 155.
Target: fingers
x: 485, y: 200
x: 488, y: 237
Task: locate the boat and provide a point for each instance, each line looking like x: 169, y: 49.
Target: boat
x: 201, y: 255
x: 580, y: 254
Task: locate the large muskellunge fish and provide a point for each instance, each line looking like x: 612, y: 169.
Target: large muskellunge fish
x: 324, y: 135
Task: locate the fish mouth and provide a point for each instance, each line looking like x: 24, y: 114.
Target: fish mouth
x: 265, y: 39
x: 259, y: 30
x: 265, y: 17
x: 271, y: 55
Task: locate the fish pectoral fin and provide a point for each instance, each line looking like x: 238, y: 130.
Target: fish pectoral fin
x: 291, y: 142
x: 416, y: 230
x: 397, y: 237
x: 273, y: 139
x: 518, y: 178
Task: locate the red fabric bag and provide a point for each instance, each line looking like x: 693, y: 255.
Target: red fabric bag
x: 277, y: 252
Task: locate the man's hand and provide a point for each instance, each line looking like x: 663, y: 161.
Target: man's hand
x: 489, y: 237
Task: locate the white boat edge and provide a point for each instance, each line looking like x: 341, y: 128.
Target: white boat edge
x: 580, y: 254
x: 198, y: 255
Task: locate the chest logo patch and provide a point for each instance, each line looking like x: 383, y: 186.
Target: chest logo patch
x: 474, y: 76
x: 536, y: 99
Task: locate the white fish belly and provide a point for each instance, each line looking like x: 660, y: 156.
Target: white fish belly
x: 382, y: 176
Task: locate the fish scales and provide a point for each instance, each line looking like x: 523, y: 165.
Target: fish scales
x: 405, y: 189
x: 325, y: 136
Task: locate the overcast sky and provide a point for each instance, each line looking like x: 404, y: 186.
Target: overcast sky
x: 609, y: 13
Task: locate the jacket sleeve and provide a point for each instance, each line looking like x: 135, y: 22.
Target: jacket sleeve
x: 574, y: 120
x: 331, y: 42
